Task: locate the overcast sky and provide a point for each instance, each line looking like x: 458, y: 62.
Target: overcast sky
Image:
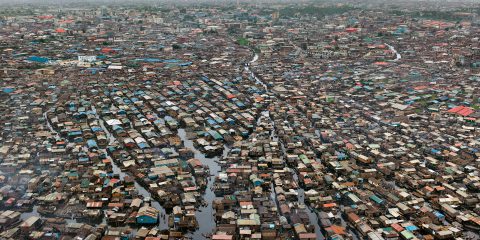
x: 107, y: 2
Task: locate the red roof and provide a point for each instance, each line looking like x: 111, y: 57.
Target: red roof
x: 307, y: 236
x: 307, y: 181
x: 195, y: 162
x: 353, y: 217
x: 60, y: 30
x: 397, y: 227
x: 107, y: 50
x: 45, y: 17
x: 337, y: 229
x: 381, y: 63
x: 461, y: 110
x: 246, y: 203
x: 329, y: 205
x: 420, y: 87
x: 94, y: 204
x: 465, y: 112
x: 114, y: 180
x: 66, y: 21
x: 222, y: 237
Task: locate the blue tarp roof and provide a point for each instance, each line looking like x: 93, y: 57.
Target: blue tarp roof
x: 211, y: 121
x: 411, y: 228
x: 96, y: 129
x: 8, y: 89
x: 438, y: 214
x: 158, y: 60
x: 142, y: 145
x: 91, y: 143
x: 38, y: 59
x: 185, y: 64
x: 75, y: 133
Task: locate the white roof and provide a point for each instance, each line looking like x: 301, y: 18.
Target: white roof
x: 114, y: 122
x: 115, y: 67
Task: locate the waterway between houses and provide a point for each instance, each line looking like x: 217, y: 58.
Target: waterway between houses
x: 397, y: 55
x: 312, y: 215
x: 205, y: 213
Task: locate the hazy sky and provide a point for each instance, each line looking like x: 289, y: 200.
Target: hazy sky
x: 61, y: 2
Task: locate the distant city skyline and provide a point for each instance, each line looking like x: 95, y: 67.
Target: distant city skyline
x: 99, y: 2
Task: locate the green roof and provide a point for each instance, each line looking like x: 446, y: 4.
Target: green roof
x: 304, y: 159
x: 85, y: 183
x: 353, y: 197
x: 407, y: 234
x: 376, y: 199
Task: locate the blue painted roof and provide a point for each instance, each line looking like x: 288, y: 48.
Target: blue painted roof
x: 38, y: 59
x: 411, y: 228
x: 8, y: 89
x: 91, y: 143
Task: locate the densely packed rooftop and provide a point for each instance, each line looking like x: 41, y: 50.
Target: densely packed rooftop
x: 242, y: 122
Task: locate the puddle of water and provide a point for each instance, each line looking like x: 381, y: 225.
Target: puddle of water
x: 33, y: 212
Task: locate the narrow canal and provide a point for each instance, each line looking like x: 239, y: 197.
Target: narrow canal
x: 45, y: 116
x: 312, y: 216
x: 205, y: 214
x: 397, y: 55
x: 163, y: 220
x: 252, y: 74
x: 34, y: 210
